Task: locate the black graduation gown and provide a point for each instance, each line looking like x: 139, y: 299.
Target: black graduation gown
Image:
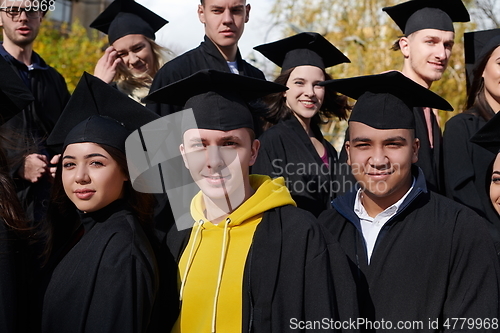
x: 287, y: 273
x: 433, y: 260
x: 107, y: 282
x: 286, y: 150
x: 466, y: 164
x: 29, y: 129
x: 13, y: 281
x: 205, y: 56
x: 430, y: 160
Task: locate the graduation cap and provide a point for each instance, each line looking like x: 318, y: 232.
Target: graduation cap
x: 416, y: 15
x: 306, y: 48
x: 385, y: 101
x: 219, y: 100
x: 127, y: 17
x: 14, y: 95
x: 476, y: 45
x: 488, y: 136
x: 99, y: 113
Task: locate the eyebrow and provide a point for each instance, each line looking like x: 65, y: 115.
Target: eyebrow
x: 496, y: 172
x: 86, y: 156
x: 395, y: 138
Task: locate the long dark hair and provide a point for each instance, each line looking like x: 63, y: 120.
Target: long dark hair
x: 334, y: 105
x: 62, y: 215
x: 476, y: 100
x: 11, y: 211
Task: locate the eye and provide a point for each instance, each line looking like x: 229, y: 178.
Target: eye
x: 298, y: 82
x: 138, y: 48
x: 97, y: 164
x: 495, y: 180
x: 230, y: 143
x: 394, y: 144
x: 68, y: 165
x: 217, y: 11
x: 362, y: 145
x: 121, y: 54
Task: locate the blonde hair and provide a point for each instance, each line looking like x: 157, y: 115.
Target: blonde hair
x: 136, y: 86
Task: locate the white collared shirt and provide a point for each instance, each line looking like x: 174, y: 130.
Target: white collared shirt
x: 371, y: 226
x: 233, y: 66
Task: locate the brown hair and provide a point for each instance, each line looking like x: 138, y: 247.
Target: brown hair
x: 334, y: 105
x: 476, y: 98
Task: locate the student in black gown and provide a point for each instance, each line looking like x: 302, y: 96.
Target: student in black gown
x: 295, y: 147
x: 488, y: 137
x: 273, y: 272
x: 464, y: 161
x: 15, y: 260
x: 416, y: 256
x: 107, y: 276
x: 426, y: 47
x: 133, y: 57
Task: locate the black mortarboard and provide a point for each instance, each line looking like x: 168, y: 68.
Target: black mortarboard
x: 488, y: 136
x: 219, y: 100
x: 98, y: 113
x: 127, y: 17
x: 385, y: 101
x: 14, y: 95
x: 476, y: 45
x: 306, y: 48
x: 416, y: 15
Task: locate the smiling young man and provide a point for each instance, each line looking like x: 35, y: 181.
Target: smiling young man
x: 20, y: 24
x: 426, y: 47
x: 224, y: 22
x: 416, y: 256
x: 249, y: 260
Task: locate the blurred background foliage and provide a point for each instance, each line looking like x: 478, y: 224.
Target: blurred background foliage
x: 70, y: 49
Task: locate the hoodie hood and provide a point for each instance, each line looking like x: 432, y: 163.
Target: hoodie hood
x: 269, y: 193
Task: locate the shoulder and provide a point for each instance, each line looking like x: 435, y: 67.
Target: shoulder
x: 253, y: 71
x: 125, y: 238
x: 461, y: 120
x: 272, y: 134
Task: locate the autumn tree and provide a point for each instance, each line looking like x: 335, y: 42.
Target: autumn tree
x: 69, y: 49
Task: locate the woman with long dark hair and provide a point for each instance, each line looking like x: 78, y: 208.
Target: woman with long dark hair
x: 465, y: 163
x: 133, y: 57
x: 293, y: 145
x: 106, y: 277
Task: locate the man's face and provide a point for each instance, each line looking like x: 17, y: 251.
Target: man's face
x: 219, y: 161
x: 224, y: 20
x: 381, y: 160
x: 427, y: 52
x: 21, y: 30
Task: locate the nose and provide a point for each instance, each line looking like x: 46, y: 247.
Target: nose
x: 227, y: 17
x: 441, y: 51
x: 215, y: 162
x: 379, y: 159
x: 23, y: 16
x: 309, y: 90
x: 82, y: 176
x: 133, y: 58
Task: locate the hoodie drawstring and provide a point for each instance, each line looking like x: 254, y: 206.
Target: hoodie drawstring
x: 221, y: 268
x: 190, y: 258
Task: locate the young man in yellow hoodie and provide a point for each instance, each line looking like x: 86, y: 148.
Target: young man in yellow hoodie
x: 251, y: 261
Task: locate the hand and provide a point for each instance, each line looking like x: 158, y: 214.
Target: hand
x: 54, y: 161
x: 33, y: 168
x: 106, y: 66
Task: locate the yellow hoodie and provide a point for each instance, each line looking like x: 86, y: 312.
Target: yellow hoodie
x: 212, y: 265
